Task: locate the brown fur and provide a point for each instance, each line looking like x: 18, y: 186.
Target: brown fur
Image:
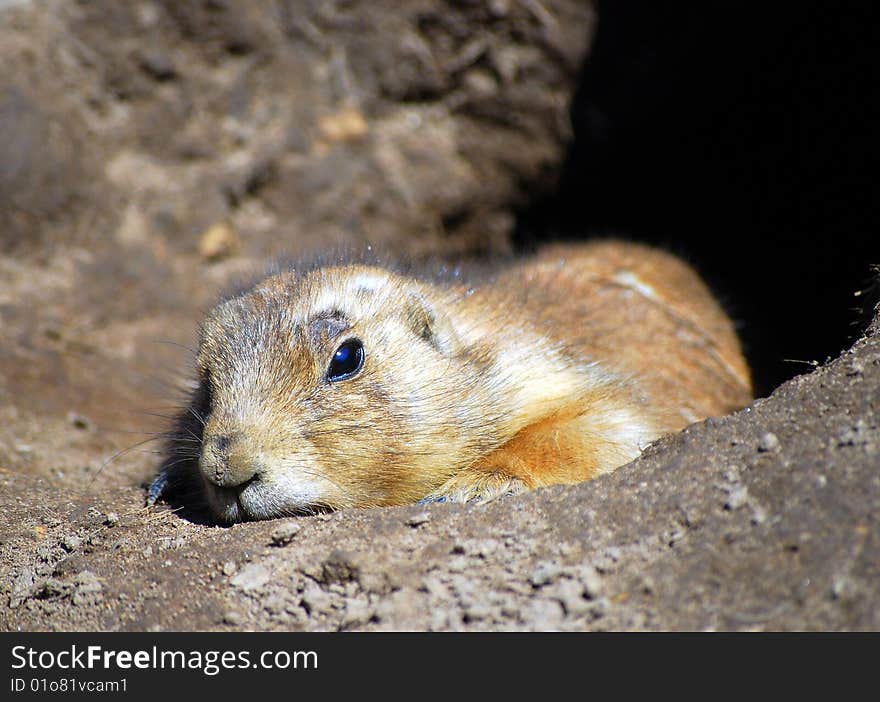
x: 563, y: 368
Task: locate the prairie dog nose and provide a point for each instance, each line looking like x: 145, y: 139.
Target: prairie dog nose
x: 226, y: 462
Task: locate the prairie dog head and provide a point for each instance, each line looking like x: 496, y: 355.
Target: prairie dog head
x: 342, y: 388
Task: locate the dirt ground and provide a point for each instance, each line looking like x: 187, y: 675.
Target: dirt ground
x: 153, y: 153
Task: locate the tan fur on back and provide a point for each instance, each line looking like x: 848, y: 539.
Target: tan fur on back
x: 645, y: 313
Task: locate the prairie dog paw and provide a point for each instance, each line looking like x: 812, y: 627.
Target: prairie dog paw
x: 475, y: 487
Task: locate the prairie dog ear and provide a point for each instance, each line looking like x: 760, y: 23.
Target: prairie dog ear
x: 430, y: 324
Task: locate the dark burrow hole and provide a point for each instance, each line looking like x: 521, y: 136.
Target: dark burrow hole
x: 739, y: 137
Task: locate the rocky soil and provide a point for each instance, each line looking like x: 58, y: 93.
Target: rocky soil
x: 153, y: 153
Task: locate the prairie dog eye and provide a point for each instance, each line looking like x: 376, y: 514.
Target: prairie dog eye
x: 347, y: 361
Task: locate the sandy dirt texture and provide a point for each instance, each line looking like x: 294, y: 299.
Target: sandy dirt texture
x: 153, y: 153
x: 763, y: 520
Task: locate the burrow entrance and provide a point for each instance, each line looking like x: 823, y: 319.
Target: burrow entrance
x: 740, y: 140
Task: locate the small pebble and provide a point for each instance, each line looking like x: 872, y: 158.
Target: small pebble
x: 274, y: 605
x: 737, y: 497
x: 252, y: 577
x: 759, y: 515
x: 283, y: 534
x: 112, y: 519
x: 346, y: 125
x: 229, y: 568
x: 316, y: 601
x: 87, y: 581
x: 570, y: 594
x: 218, y: 241
x: 158, y: 65
x: 842, y: 587
x: 21, y: 587
x: 357, y: 612
x: 544, y: 574
x: 499, y: 8
x: 71, y: 542
x: 543, y: 614
x: 87, y: 588
x: 480, y: 83
x: 768, y: 443
x: 339, y: 567
x: 592, y: 582
x: 233, y: 617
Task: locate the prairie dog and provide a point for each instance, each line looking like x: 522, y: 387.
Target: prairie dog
x: 355, y: 386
